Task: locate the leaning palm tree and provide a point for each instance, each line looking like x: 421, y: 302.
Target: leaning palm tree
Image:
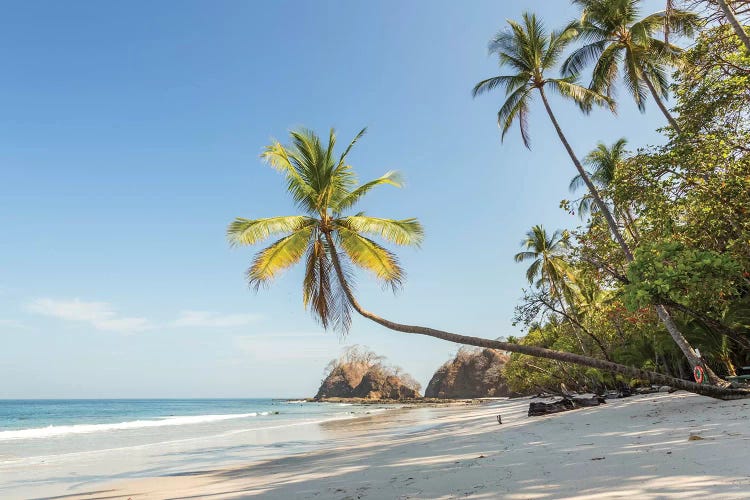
x: 324, y: 188
x: 615, y: 37
x: 530, y: 51
x: 547, y: 255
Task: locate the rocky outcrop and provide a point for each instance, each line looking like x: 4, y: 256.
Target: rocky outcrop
x: 360, y: 373
x: 473, y: 373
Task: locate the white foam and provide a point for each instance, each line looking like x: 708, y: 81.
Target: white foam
x: 63, y: 430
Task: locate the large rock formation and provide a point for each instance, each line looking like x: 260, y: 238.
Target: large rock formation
x: 473, y: 373
x: 360, y: 373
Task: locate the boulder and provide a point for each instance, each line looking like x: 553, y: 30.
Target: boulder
x: 473, y: 373
x: 360, y: 373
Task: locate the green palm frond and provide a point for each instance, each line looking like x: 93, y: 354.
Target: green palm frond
x: 302, y: 192
x: 606, y: 70
x: 583, y: 56
x: 533, y: 271
x: 349, y: 199
x: 579, y: 94
x: 400, y: 232
x: 283, y: 254
x: 558, y: 42
x: 251, y: 231
x: 316, y: 286
x: 618, y: 39
x: 516, y: 107
x: 633, y: 79
x: 325, y: 186
x: 510, y: 82
x: 368, y: 255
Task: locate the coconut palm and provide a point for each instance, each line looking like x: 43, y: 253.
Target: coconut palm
x: 530, y: 51
x: 547, y: 253
x: 615, y: 37
x: 550, y: 271
x: 324, y: 187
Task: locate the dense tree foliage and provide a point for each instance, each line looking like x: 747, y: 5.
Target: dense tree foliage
x: 685, y: 208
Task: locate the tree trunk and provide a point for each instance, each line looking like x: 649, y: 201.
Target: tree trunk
x: 726, y: 9
x: 661, y: 105
x: 661, y: 311
x: 603, y: 208
x: 539, y: 352
x: 710, y: 323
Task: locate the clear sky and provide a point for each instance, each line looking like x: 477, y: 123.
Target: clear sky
x: 129, y: 139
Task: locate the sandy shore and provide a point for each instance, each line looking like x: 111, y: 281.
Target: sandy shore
x: 639, y: 447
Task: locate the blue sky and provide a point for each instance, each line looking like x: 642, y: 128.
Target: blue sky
x: 130, y: 138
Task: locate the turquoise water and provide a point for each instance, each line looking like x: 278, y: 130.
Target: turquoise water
x: 45, y: 418
x: 62, y: 445
x: 51, y: 428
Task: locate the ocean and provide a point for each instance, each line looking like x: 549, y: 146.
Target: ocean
x: 87, y: 440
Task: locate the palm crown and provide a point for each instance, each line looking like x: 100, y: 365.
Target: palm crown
x: 603, y: 163
x: 530, y: 51
x: 325, y: 187
x: 615, y: 37
x: 547, y: 255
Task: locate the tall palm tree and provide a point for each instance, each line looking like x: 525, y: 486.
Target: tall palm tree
x: 548, y: 267
x: 324, y: 187
x: 530, y: 51
x: 615, y: 37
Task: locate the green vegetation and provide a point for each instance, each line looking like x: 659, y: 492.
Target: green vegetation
x: 662, y: 261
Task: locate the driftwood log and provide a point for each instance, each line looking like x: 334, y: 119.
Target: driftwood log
x: 564, y: 404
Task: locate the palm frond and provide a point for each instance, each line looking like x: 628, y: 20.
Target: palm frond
x: 279, y: 157
x: 516, y: 106
x: 509, y: 82
x: 606, y: 70
x: 558, y: 42
x: 392, y: 178
x: 316, y: 285
x: 579, y: 94
x: 582, y: 57
x: 251, y: 231
x: 633, y: 79
x: 284, y: 253
x: 368, y: 255
x: 533, y: 271
x: 400, y: 232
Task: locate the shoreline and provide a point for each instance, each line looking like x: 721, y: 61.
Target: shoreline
x: 652, y: 446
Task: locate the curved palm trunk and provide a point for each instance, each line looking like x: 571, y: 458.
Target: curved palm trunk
x: 539, y: 352
x: 661, y: 311
x: 606, y: 212
x: 661, y: 105
x: 726, y: 9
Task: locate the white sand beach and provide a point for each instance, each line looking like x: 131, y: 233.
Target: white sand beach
x: 639, y: 447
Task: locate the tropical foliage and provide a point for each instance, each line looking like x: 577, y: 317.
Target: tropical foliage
x: 686, y: 203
